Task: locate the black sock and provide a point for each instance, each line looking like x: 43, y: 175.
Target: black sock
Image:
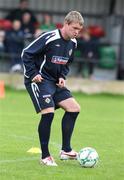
x: 68, y: 123
x: 44, y: 133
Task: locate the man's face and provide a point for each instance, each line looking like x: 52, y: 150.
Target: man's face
x: 73, y: 30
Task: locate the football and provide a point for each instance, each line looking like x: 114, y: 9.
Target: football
x: 88, y: 157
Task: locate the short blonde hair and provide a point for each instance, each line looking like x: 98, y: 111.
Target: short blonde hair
x: 74, y: 16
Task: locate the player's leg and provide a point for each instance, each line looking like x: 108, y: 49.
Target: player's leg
x: 69, y: 105
x: 44, y: 130
x: 72, y: 110
x: 64, y: 99
x: 43, y: 102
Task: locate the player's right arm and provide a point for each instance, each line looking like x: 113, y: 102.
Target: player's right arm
x: 29, y: 55
x: 37, y: 78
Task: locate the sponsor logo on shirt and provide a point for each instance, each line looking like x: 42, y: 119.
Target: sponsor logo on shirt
x: 59, y: 60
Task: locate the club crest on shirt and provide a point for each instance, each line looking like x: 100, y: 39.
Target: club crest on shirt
x: 70, y: 52
x: 47, y: 100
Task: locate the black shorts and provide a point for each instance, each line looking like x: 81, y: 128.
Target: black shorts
x: 46, y: 94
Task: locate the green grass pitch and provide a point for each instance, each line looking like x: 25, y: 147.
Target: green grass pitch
x: 100, y: 125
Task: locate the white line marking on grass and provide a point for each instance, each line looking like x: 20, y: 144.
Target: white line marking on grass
x: 55, y: 144
x: 17, y: 114
x: 26, y: 159
x: 22, y: 137
x: 31, y: 138
x: 18, y: 160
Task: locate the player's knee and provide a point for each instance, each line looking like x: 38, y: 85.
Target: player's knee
x: 74, y: 108
x: 47, y: 110
x: 77, y: 108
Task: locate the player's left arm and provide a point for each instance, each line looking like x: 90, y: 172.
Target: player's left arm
x: 65, y: 70
x: 61, y: 82
x: 63, y: 74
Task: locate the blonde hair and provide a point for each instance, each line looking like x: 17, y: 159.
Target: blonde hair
x: 74, y: 16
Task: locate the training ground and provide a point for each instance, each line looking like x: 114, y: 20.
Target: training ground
x: 100, y: 125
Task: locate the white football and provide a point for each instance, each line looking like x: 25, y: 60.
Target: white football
x: 88, y: 157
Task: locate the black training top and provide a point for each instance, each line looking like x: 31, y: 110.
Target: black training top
x: 48, y: 55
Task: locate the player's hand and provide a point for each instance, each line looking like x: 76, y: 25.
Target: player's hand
x: 61, y: 83
x: 37, y: 78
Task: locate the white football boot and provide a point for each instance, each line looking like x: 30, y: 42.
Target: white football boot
x: 68, y: 155
x: 48, y: 161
